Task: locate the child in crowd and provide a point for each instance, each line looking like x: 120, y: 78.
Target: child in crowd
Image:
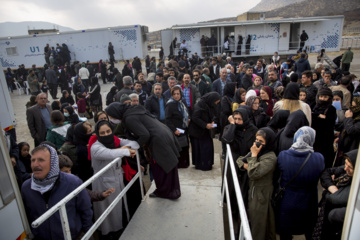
x: 81, y: 105
x: 45, y: 87
x: 303, y: 94
x: 32, y: 102
x: 24, y: 156
x: 66, y: 164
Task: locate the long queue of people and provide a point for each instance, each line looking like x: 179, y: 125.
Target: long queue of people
x: 272, y: 121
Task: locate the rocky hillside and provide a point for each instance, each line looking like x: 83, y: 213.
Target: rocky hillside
x: 311, y: 8
x: 268, y: 5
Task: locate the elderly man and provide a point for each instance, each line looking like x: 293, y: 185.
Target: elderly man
x: 155, y: 104
x: 38, y: 119
x: 219, y: 84
x: 134, y: 99
x: 127, y: 82
x: 171, y: 82
x: 47, y: 187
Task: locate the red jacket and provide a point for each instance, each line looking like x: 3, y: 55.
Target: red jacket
x: 81, y: 104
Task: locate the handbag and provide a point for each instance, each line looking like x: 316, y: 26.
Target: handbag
x: 279, y: 194
x: 183, y: 140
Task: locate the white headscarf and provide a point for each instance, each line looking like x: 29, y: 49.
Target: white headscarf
x: 304, y: 139
x: 48, y: 182
x: 250, y: 93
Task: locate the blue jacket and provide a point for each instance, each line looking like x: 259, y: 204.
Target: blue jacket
x: 216, y: 86
x: 78, y: 209
x: 299, y: 206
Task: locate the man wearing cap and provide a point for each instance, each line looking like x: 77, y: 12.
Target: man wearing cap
x: 48, y: 186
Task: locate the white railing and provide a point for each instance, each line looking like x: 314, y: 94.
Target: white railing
x: 245, y: 232
x: 60, y: 206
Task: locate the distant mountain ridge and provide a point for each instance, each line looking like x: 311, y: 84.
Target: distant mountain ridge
x: 21, y: 28
x: 268, y: 5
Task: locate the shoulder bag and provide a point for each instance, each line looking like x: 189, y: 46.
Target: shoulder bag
x: 279, y: 194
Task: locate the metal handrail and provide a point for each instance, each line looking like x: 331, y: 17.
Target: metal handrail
x: 245, y: 232
x: 60, y: 206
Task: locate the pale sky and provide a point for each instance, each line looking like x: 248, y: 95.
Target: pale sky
x: 87, y: 14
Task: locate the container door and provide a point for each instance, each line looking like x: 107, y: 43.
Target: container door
x: 166, y: 38
x: 284, y: 36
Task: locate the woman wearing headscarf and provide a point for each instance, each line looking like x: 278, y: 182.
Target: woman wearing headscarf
x: 70, y: 115
x: 202, y: 121
x: 110, y: 97
x: 240, y: 135
x: 164, y: 148
x: 256, y: 113
x: 176, y: 118
x: 239, y: 98
x: 285, y: 136
x: 291, y: 101
x: 249, y: 94
x: 297, y: 213
x: 349, y: 137
x: 104, y: 150
x: 82, y: 133
x: 226, y: 109
x: 323, y: 121
x: 267, y: 102
x: 337, y: 183
x: 278, y: 121
x: 57, y: 132
x: 260, y: 166
x: 95, y: 95
x: 67, y: 98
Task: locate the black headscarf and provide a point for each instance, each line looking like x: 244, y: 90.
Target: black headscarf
x: 296, y: 120
x: 55, y: 105
x: 73, y: 118
x: 210, y: 98
x: 292, y: 91
x: 108, y: 141
x: 229, y: 90
x: 321, y: 106
x: 279, y: 119
x: 64, y: 105
x: 245, y: 117
x: 238, y: 95
x: 352, y: 155
x: 80, y: 134
x: 270, y: 144
x: 116, y: 110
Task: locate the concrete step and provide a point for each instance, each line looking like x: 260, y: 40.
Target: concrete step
x: 195, y: 215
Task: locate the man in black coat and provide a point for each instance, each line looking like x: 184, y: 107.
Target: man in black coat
x: 142, y: 95
x: 200, y: 85
x: 215, y: 69
x: 52, y: 81
x: 303, y: 38
x: 246, y: 81
x: 155, y: 104
x: 311, y: 90
x: 163, y: 145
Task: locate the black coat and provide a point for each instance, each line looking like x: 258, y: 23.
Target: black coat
x: 246, y: 82
x: 285, y: 136
x: 215, y: 75
x: 202, y: 87
x: 69, y: 99
x: 350, y: 136
x: 325, y: 134
x: 152, y: 104
x: 173, y: 117
x: 145, y: 129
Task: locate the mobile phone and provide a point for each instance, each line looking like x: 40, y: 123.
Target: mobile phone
x: 258, y: 144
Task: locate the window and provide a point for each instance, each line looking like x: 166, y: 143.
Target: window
x: 11, y: 51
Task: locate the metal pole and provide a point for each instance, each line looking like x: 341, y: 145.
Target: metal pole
x: 140, y: 176
x: 231, y: 224
x: 242, y: 210
x: 224, y: 177
x: 65, y: 223
x: 110, y: 208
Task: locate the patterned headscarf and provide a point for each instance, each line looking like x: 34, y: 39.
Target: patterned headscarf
x: 48, y: 182
x: 356, y: 109
x: 304, y: 139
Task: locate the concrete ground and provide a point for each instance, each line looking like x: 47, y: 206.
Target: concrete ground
x: 23, y: 134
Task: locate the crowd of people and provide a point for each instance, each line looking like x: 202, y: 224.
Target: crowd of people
x: 275, y: 116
